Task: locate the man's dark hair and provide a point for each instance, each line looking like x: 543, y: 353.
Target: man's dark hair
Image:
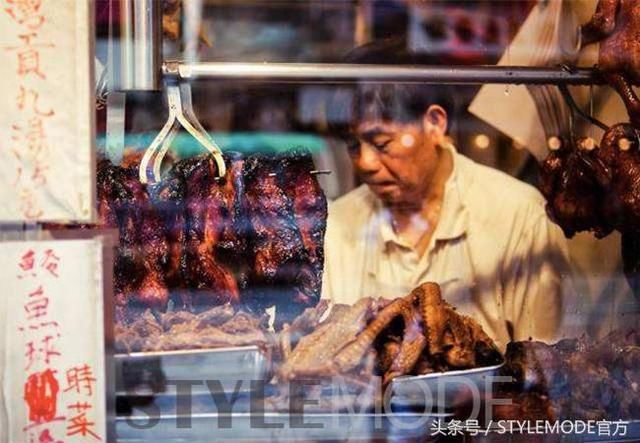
x: 399, y: 102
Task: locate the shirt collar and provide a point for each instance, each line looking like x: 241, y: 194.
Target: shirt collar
x: 453, y: 222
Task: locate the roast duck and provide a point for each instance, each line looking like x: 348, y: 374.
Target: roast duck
x: 253, y: 238
x: 597, y: 188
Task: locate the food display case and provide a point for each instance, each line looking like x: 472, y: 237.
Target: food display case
x: 366, y: 220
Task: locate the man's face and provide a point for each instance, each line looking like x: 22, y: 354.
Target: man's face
x: 397, y: 160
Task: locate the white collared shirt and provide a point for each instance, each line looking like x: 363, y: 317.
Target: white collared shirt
x: 494, y: 252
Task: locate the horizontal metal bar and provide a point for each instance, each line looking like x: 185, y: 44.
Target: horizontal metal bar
x: 313, y: 72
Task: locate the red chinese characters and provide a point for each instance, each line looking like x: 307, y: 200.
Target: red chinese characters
x: 80, y: 383
x: 41, y: 396
x: 50, y: 262
x: 26, y: 12
x: 41, y: 390
x: 29, y: 267
x: 30, y: 147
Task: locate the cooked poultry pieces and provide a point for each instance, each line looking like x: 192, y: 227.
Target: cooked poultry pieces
x: 575, y: 196
x: 574, y: 379
x: 314, y: 352
x: 455, y: 340
x: 252, y: 238
x: 598, y: 190
x: 221, y: 326
x: 616, y: 26
x: 419, y: 332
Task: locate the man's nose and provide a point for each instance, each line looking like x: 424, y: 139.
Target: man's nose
x: 368, y: 159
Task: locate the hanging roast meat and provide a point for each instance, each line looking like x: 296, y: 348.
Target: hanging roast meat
x: 286, y: 213
x: 572, y: 182
x: 309, y: 206
x: 202, y: 215
x: 254, y: 236
x: 574, y: 379
x: 598, y: 190
x: 616, y: 26
x: 141, y: 257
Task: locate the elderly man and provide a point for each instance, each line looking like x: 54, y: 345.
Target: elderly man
x: 427, y: 213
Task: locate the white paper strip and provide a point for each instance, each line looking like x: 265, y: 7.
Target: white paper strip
x: 547, y: 37
x: 47, y: 114
x: 53, y: 374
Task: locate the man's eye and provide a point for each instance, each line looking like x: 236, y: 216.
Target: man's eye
x: 381, y: 145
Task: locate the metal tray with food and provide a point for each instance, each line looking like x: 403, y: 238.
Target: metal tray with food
x: 443, y: 391
x: 274, y: 426
x: 142, y: 373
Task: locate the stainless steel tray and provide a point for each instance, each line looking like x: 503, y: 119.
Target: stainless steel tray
x: 144, y: 373
x: 442, y: 391
x: 293, y: 427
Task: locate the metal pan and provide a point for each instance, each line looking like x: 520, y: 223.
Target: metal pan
x: 145, y: 373
x: 445, y: 390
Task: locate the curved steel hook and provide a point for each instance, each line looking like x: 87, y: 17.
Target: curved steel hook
x: 575, y: 109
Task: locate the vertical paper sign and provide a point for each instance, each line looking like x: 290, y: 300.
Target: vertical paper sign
x: 53, y: 382
x: 46, y: 120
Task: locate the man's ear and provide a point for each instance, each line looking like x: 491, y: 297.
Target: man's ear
x: 434, y: 121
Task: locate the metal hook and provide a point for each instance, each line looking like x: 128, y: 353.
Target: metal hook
x: 575, y: 109
x: 180, y: 114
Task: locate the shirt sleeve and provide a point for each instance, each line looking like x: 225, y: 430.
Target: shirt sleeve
x: 537, y: 283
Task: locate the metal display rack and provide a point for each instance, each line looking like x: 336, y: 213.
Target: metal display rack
x: 141, y: 66
x: 334, y: 72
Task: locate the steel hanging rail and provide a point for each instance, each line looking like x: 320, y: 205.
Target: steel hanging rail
x: 337, y: 73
